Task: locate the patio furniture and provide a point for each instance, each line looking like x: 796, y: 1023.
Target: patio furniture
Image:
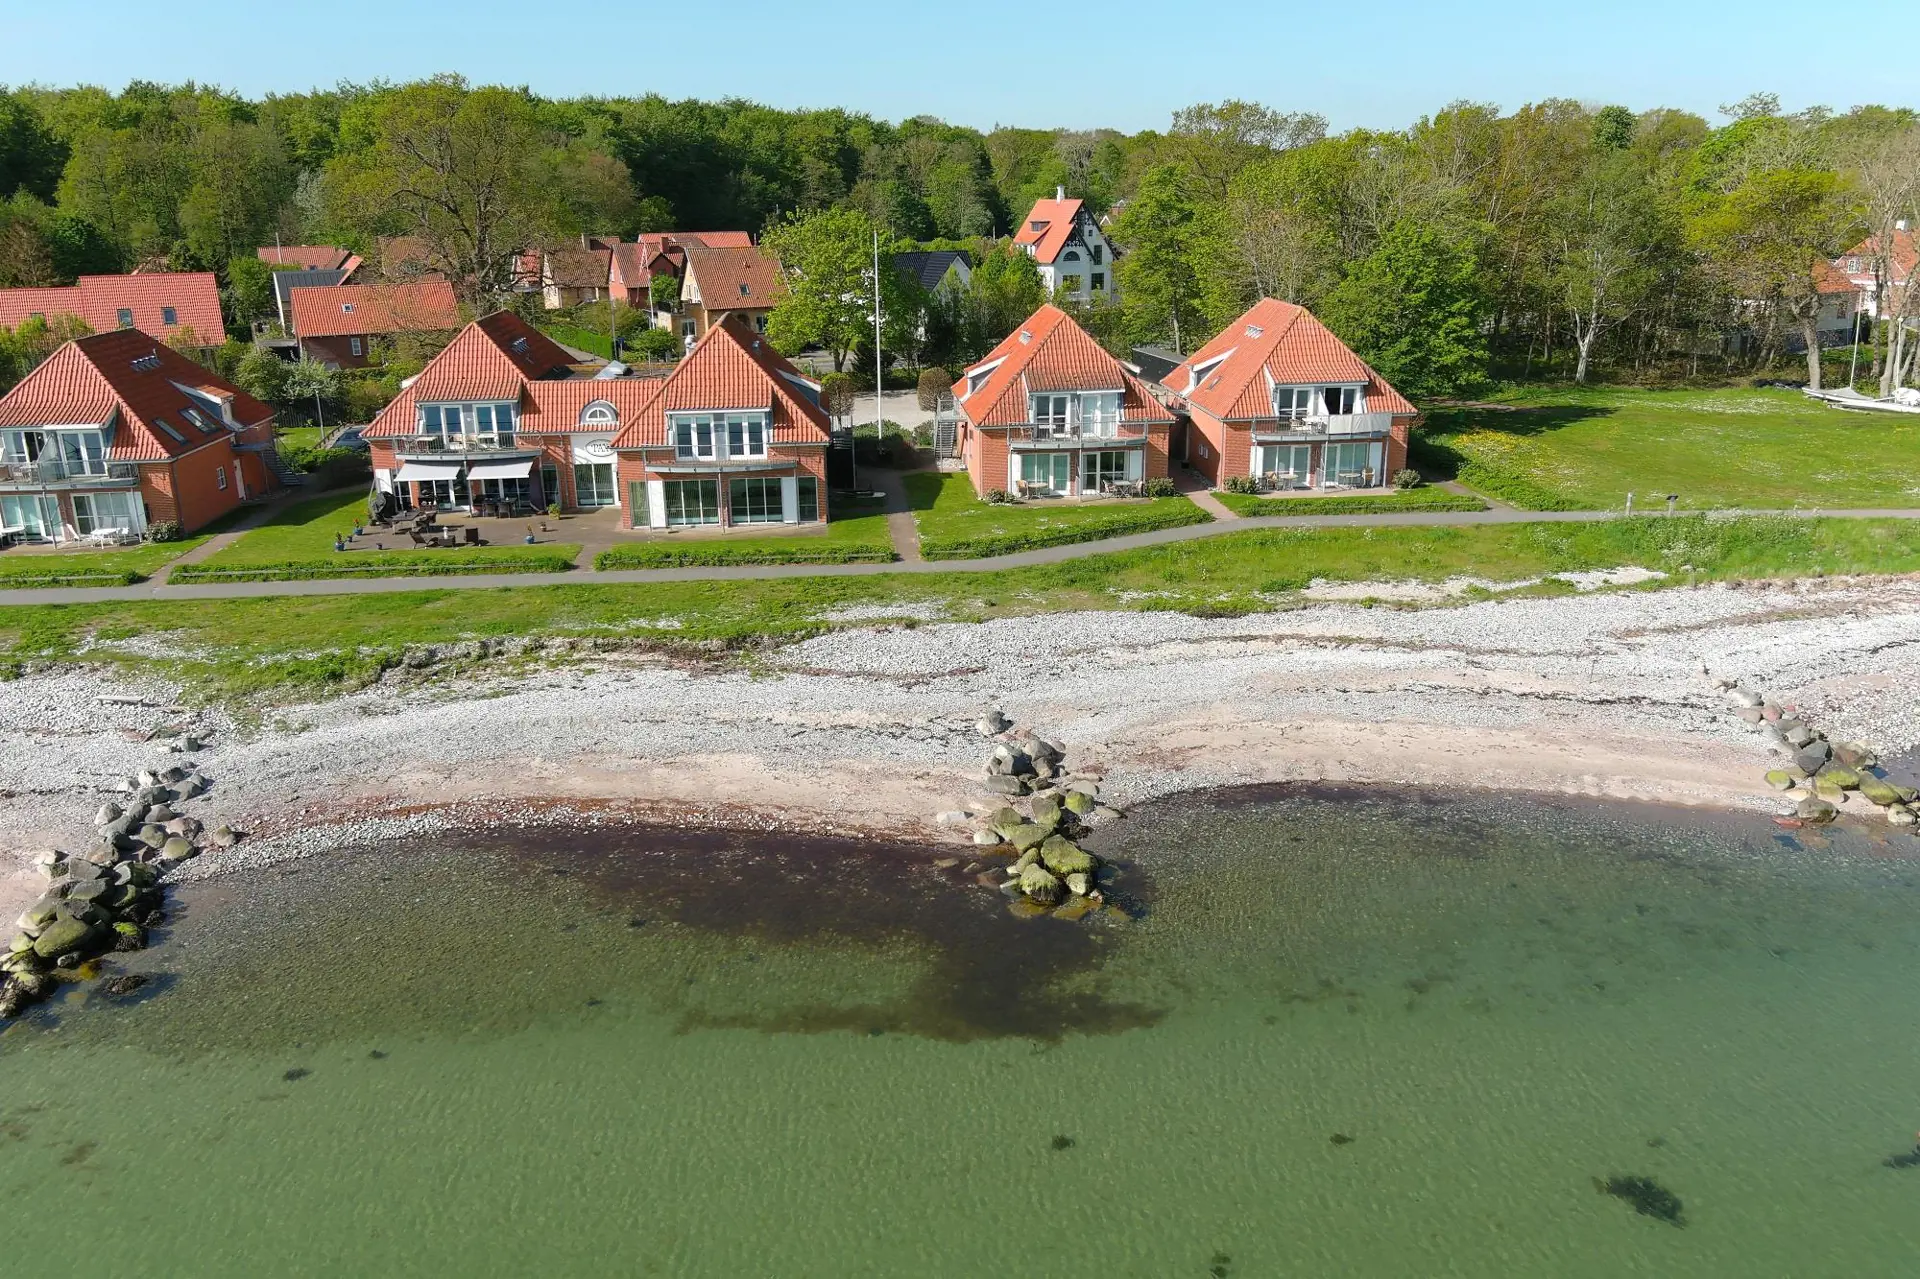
x: 11, y: 533
x: 1350, y: 479
x: 418, y: 538
x: 473, y: 535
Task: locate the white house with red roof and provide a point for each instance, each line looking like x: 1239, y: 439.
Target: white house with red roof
x: 167, y: 304
x: 1049, y: 413
x: 1074, y: 255
x: 735, y: 438
x: 118, y: 432
x: 1276, y: 396
x: 502, y: 414
x: 1857, y: 266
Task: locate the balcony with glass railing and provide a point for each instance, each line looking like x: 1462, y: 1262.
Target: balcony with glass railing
x: 1077, y: 432
x: 427, y: 444
x: 54, y: 474
x: 1322, y: 426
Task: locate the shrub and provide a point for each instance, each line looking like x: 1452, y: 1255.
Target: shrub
x: 1406, y: 478
x: 1352, y: 503
x: 164, y: 531
x: 715, y: 551
x: 836, y: 393
x: 377, y: 564
x: 933, y: 384
x: 998, y: 497
x: 1242, y: 484
x: 1160, y: 486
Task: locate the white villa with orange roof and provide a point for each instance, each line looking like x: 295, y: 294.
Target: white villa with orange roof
x: 1277, y: 397
x: 1073, y: 253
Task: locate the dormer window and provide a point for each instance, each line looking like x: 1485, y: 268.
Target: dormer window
x: 1292, y: 403
x: 599, y: 414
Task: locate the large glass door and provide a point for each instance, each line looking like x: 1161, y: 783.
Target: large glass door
x: 691, y: 502
x: 593, y: 484
x: 35, y: 516
x: 1046, y: 472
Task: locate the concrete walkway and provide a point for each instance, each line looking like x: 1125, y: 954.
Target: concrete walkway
x: 1193, y: 487
x: 902, y: 528
x: 765, y: 572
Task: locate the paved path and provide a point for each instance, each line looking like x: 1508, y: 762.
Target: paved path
x: 759, y: 572
x: 1193, y: 486
x: 251, y: 520
x: 902, y: 528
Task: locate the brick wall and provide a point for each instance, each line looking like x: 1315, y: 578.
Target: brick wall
x: 633, y: 469
x: 336, y: 350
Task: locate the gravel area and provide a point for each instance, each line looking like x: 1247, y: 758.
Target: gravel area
x: 872, y: 728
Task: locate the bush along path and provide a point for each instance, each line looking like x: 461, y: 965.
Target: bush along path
x: 106, y: 898
x: 1823, y: 774
x: 1050, y: 873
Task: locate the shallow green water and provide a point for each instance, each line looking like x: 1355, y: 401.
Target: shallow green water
x: 624, y: 1053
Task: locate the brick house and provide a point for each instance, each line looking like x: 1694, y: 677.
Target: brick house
x: 737, y: 285
x: 662, y: 253
x: 168, y: 304
x: 1277, y: 396
x: 502, y: 414
x: 734, y: 438
x: 119, y: 431
x: 1049, y: 413
x: 1073, y: 253
x: 337, y: 324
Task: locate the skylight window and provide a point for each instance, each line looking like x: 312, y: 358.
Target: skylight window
x: 346, y: 308
x: 518, y: 346
x: 1026, y: 336
x: 1254, y: 330
x: 147, y: 363
x: 745, y: 289
x: 164, y: 425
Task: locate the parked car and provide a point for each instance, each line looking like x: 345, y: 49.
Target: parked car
x: 350, y: 438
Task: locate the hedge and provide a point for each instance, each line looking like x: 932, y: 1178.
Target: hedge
x: 667, y: 555
x: 1124, y: 523
x: 1417, y: 500
x: 449, y: 565
x: 27, y: 581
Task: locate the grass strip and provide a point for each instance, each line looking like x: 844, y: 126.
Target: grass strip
x: 1425, y: 499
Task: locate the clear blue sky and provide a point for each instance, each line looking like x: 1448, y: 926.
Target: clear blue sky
x: 1131, y: 63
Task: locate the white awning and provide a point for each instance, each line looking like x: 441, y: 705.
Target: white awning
x: 422, y: 472
x: 510, y: 469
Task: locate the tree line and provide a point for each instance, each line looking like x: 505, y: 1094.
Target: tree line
x: 1560, y: 240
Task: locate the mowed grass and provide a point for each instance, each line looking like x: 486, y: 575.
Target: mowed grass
x: 1571, y: 447
x: 298, y: 543
x: 120, y: 566
x: 1421, y: 499
x: 259, y: 650
x: 956, y: 524
x: 857, y: 536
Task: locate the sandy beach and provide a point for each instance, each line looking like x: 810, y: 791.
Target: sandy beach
x: 870, y: 728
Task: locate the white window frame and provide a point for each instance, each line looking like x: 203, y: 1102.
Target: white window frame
x: 220, y: 477
x: 354, y: 347
x: 1293, y: 403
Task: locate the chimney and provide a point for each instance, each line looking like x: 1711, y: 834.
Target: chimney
x: 1059, y: 193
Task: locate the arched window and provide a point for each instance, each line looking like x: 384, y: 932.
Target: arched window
x: 599, y: 413
x: 1070, y: 256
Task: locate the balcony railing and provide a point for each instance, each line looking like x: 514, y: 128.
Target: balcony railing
x: 1327, y: 426
x: 1082, y: 432
x: 500, y: 442
x: 65, y: 474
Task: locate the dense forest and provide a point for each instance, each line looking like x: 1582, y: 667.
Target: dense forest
x: 1559, y: 240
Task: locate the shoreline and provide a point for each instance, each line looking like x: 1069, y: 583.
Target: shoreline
x: 868, y: 731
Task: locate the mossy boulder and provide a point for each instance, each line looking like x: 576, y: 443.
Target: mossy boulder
x: 1879, y: 792
x: 1840, y: 775
x: 1064, y: 857
x: 178, y: 849
x: 1079, y: 803
x: 64, y: 935
x: 1075, y: 908
x: 1829, y: 790
x: 1026, y: 859
x: 1780, y: 779
x: 1026, y: 908
x: 1005, y: 818
x: 1815, y: 811
x: 1028, y: 835
x: 1041, y: 884
x: 1046, y: 812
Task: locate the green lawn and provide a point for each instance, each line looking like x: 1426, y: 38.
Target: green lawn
x: 298, y: 437
x: 955, y: 524
x: 858, y: 536
x: 1587, y: 447
x: 1421, y: 499
x: 298, y: 543
x: 118, y: 567
x: 289, y: 647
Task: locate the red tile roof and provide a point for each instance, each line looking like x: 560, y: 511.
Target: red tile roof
x: 1830, y: 279
x: 309, y: 257
x: 408, y: 257
x: 1274, y: 343
x: 141, y: 380
x: 344, y: 310
x: 577, y: 268
x: 728, y: 369
x: 499, y: 357
x: 193, y: 296
x: 1048, y: 227
x: 1905, y: 255
x: 1049, y: 353
x: 734, y: 278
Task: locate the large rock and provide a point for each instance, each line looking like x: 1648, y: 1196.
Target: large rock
x: 1779, y: 779
x: 64, y: 935
x: 981, y: 839
x: 34, y: 919
x: 1744, y: 697
x: 1901, y: 815
x: 1816, y: 811
x: 1028, y: 835
x: 1829, y: 791
x: 1879, y: 792
x: 106, y: 813
x: 1064, y: 857
x: 80, y: 870
x: 1812, y: 759
x: 1046, y: 812
x: 1798, y: 736
x: 1840, y: 775
x: 1002, y: 785
x: 1079, y: 883
x: 152, y: 835
x: 178, y: 849
x: 1079, y: 803
x: 1040, y: 884
x: 90, y: 890
x: 993, y: 723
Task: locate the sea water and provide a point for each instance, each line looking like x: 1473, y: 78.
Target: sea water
x: 1336, y: 1032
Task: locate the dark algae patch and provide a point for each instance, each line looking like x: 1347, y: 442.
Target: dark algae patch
x: 1648, y: 1197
